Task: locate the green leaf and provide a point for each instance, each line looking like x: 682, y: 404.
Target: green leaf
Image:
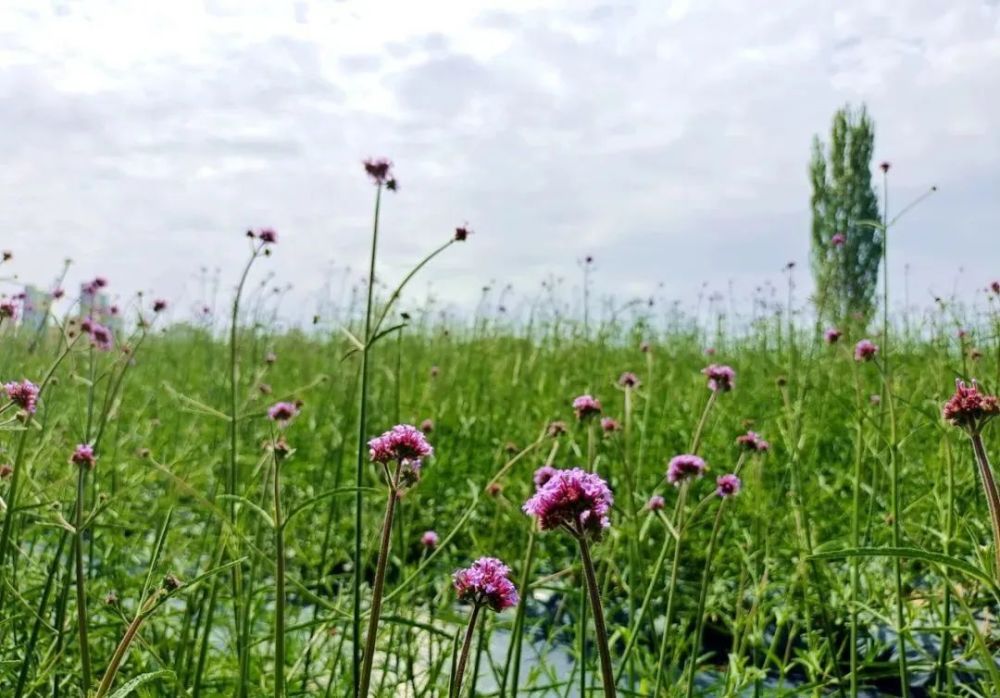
x: 913, y: 554
x: 141, y: 679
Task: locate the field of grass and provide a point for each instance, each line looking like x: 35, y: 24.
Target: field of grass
x: 168, y: 562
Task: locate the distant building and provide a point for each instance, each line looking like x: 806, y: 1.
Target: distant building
x: 35, y: 307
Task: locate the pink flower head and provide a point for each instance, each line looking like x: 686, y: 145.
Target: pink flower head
x: 838, y: 239
x: 685, y: 467
x: 720, y: 377
x: 8, y: 309
x: 379, y: 169
x: 401, y: 443
x: 430, y: 539
x: 970, y: 409
x: 727, y: 485
x: 283, y: 412
x: 586, y: 406
x: 629, y: 380
x: 100, y: 336
x: 427, y: 426
x: 865, y: 350
x: 159, y: 305
x: 573, y: 499
x: 23, y: 394
x: 656, y: 503
x: 268, y: 236
x: 462, y: 232
x: 832, y: 335
x: 83, y: 455
x: 486, y: 583
x: 609, y: 425
x: 752, y: 442
x: 995, y: 287
x: 543, y: 475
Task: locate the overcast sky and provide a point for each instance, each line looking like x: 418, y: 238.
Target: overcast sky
x: 667, y: 139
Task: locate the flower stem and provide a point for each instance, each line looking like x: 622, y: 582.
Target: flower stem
x: 700, y: 616
x: 607, y: 673
x: 668, y: 615
x: 377, y: 589
x: 992, y: 497
x: 696, y: 439
x: 279, y: 587
x: 514, y: 662
x: 122, y: 649
x: 81, y: 592
x: 463, y: 657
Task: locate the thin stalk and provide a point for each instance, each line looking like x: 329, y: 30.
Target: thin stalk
x: 702, y: 595
x: 607, y: 673
x: 696, y: 439
x: 359, y: 472
x: 992, y: 496
x: 279, y: 586
x: 518, y: 635
x: 22, y: 677
x: 856, y: 537
x: 122, y: 649
x: 81, y: 592
x: 463, y: 656
x: 668, y: 616
x: 8, y: 519
x: 944, y: 670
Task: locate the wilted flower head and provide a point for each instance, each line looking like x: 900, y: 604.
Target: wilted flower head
x: 84, y: 456
x: 430, y: 539
x: 709, y: 351
x: 543, y: 475
x: 727, y: 485
x: 686, y: 466
x: 832, y: 335
x: 556, y: 428
x: 58, y: 293
x: 159, y: 305
x: 427, y: 426
x: 486, y: 583
x: 8, y: 309
x: 283, y: 412
x: 884, y: 166
x: 435, y: 371
x: 969, y: 409
x: 401, y: 443
x: 462, y: 232
x: 379, y: 169
x: 572, y: 499
x: 838, y: 239
x: 586, y: 406
x: 171, y: 583
x: 865, y: 350
x: 752, y: 441
x: 875, y: 399
x: 609, y: 425
x: 645, y: 347
x: 270, y: 357
x: 656, y: 503
x: 494, y: 489
x: 628, y: 380
x: 23, y: 394
x: 995, y: 287
x: 7, y: 255
x: 6, y: 470
x: 720, y: 377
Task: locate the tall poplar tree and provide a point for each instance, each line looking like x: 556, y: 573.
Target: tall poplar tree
x: 846, y: 249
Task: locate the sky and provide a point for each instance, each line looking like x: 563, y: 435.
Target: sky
x: 668, y: 140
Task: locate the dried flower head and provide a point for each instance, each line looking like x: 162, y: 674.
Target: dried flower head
x: 171, y: 583
x: 159, y: 305
x: 586, y: 406
x: 995, y: 287
x: 727, y: 485
x: 84, y: 456
x: 865, y: 350
x: 609, y: 425
x: 462, y: 232
x: 486, y: 583
x: 401, y: 443
x: 494, y: 489
x: 268, y: 236
x: 720, y: 378
x: 686, y: 466
x: 572, y: 499
x: 380, y: 170
x: 628, y: 380
x: 6, y: 470
x: 427, y: 426
x: 884, y: 166
x: 969, y: 408
x: 752, y: 442
x: 8, y: 309
x: 556, y: 428
x: 23, y: 394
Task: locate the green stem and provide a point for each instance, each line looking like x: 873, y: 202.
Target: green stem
x: 463, y: 657
x: 668, y: 615
x: 992, y: 496
x: 81, y: 593
x: 518, y: 635
x: 702, y: 595
x: 279, y: 586
x: 607, y: 673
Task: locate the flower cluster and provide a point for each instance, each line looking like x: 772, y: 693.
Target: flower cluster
x: 556, y: 428
x: 586, y: 406
x: 486, y: 583
x: 656, y: 503
x: 686, y: 466
x: 969, y: 409
x: 727, y: 485
x: 8, y: 309
x: 865, y: 350
x: 572, y: 499
x: 720, y: 378
x: 609, y: 425
x: 92, y: 287
x: 832, y: 335
x: 402, y: 443
x: 628, y: 380
x: 283, y: 412
x: 429, y: 539
x: 100, y: 336
x: 83, y: 455
x: 23, y: 394
x: 752, y: 442
x: 543, y: 475
x: 380, y: 171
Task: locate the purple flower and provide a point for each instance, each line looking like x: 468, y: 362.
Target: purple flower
x: 268, y: 236
x: 379, y: 169
x: 100, y: 336
x: 628, y: 380
x: 486, y: 583
x: 427, y: 426
x: 84, y: 456
x: 970, y: 409
x: 283, y: 412
x: 838, y: 239
x: 685, y: 467
x: 573, y: 499
x: 58, y: 293
x: 586, y: 406
x: 752, y: 441
x: 720, y: 377
x: 543, y: 475
x: 727, y: 485
x: 995, y: 287
x: 832, y: 335
x: 430, y: 539
x: 656, y: 503
x: 401, y: 443
x: 609, y: 425
x: 884, y: 166
x: 8, y: 309
x: 865, y: 350
x: 23, y: 394
x: 159, y: 305
x: 462, y: 232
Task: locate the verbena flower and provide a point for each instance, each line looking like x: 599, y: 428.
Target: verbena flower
x: 462, y: 232
x: 283, y: 412
x: 159, y: 305
x: 543, y: 475
x: 101, y: 337
x: 23, y: 394
x: 832, y: 335
x: 556, y: 428
x: 656, y: 503
x: 84, y: 456
x: 609, y: 425
x: 753, y: 442
x: 686, y: 466
x: 401, y: 443
x: 970, y: 409
x: 268, y: 236
x: 486, y: 583
x: 865, y: 350
x: 586, y: 406
x: 573, y: 499
x: 8, y: 309
x: 720, y: 378
x: 379, y: 169
x: 430, y: 539
x: 427, y: 426
x: 727, y: 485
x: 628, y: 380
x: 838, y: 239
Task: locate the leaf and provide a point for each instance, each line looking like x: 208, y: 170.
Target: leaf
x: 141, y: 679
x: 253, y: 507
x: 913, y: 554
